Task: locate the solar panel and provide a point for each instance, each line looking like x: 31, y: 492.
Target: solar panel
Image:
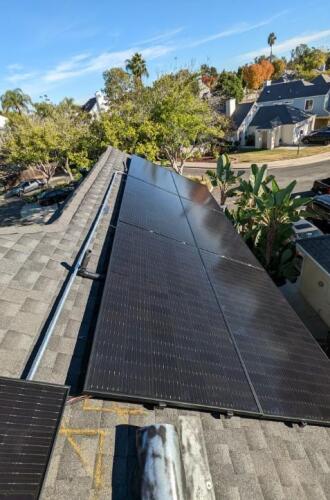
x: 289, y: 371
x: 159, y: 335
x: 151, y: 208
x: 194, y: 191
x: 30, y: 414
x: 147, y: 172
x: 214, y: 232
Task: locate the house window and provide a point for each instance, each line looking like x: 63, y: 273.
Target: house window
x: 309, y: 104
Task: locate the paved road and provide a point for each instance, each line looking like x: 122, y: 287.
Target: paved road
x: 304, y: 174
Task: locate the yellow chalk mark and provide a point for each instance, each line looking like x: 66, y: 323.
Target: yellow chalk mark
x: 120, y: 411
x: 95, y: 473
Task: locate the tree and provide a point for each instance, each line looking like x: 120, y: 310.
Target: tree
x: 15, y: 101
x: 229, y: 85
x: 253, y: 76
x: 137, y: 67
x: 207, y: 70
x: 184, y: 122
x: 306, y: 60
x: 256, y: 74
x: 267, y: 69
x: 264, y: 217
x: 32, y: 142
x: 271, y: 41
x: 117, y: 84
x: 224, y: 178
x: 279, y: 68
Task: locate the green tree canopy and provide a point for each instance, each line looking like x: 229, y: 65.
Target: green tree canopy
x: 137, y: 67
x: 15, y: 101
x: 229, y: 85
x: 117, y: 84
x: 271, y: 41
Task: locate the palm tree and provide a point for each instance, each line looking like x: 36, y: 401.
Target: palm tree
x: 15, y: 100
x: 137, y: 67
x: 271, y: 41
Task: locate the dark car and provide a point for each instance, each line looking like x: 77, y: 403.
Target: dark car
x: 322, y: 186
x: 319, y: 211
x: 321, y: 136
x: 54, y: 196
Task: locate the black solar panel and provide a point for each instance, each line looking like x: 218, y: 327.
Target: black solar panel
x: 154, y: 209
x: 287, y: 368
x: 214, y: 232
x: 147, y: 172
x: 194, y: 191
x: 159, y: 335
x: 201, y: 326
x: 30, y: 414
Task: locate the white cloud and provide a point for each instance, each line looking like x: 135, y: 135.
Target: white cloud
x: 161, y: 37
x: 287, y: 45
x: 20, y: 77
x: 235, y: 30
x: 14, y: 67
x: 84, y: 63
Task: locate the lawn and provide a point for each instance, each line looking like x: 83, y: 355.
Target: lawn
x: 260, y: 156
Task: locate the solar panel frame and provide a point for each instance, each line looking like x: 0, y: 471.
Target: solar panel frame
x: 214, y: 232
x: 149, y: 207
x: 153, y: 350
x: 35, y: 404
x: 152, y: 174
x: 272, y: 341
x: 194, y: 191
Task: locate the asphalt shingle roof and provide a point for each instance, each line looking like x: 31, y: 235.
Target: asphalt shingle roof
x: 240, y: 112
x: 278, y: 114
x: 294, y: 89
x: 89, y: 105
x: 95, y: 454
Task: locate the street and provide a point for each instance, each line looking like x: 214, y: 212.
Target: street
x: 304, y: 174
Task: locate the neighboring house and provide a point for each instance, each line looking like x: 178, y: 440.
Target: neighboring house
x: 279, y: 124
x: 314, y: 281
x: 96, y: 105
x: 3, y: 121
x: 312, y: 97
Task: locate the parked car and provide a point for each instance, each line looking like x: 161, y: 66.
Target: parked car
x: 25, y: 187
x: 54, y: 196
x: 321, y: 136
x: 322, y: 186
x: 319, y: 212
x: 305, y: 229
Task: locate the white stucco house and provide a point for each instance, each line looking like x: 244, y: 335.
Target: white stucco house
x: 3, y: 121
x: 96, y: 105
x: 284, y: 112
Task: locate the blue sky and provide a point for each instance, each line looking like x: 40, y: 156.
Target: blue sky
x: 60, y: 48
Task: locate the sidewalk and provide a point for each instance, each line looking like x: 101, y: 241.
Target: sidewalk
x: 307, y: 160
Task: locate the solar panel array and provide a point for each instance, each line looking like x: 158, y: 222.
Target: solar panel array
x: 30, y: 414
x: 188, y: 316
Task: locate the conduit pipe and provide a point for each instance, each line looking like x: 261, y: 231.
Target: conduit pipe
x: 162, y: 472
x: 43, y: 346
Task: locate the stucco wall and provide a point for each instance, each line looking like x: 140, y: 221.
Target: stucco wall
x: 314, y: 285
x: 319, y: 105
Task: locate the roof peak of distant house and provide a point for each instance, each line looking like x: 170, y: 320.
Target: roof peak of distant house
x: 278, y: 114
x: 292, y: 89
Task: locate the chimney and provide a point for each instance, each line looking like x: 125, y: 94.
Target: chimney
x: 268, y: 83
x: 101, y: 101
x: 230, y: 106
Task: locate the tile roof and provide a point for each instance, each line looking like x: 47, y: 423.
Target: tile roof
x: 294, y: 89
x: 278, y: 114
x: 95, y: 454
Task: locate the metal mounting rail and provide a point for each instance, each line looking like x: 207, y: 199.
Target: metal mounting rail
x: 50, y: 329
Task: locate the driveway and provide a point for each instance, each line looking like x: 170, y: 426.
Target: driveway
x: 304, y: 174
x: 14, y: 211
